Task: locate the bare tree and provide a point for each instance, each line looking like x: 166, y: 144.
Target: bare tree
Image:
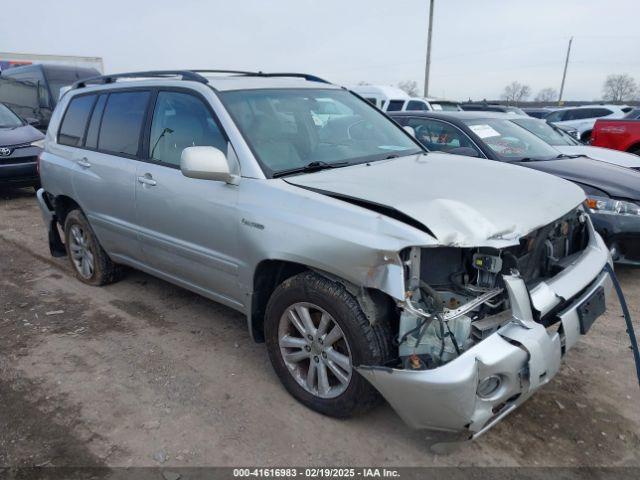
x: 362, y: 82
x: 547, y: 95
x: 516, y: 92
x: 410, y: 87
x: 619, y: 88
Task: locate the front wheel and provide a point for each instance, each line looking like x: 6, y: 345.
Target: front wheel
x: 316, y: 334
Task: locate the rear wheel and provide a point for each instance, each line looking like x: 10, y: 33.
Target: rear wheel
x: 316, y: 334
x: 88, y: 259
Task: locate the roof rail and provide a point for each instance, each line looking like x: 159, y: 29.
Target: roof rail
x: 193, y: 75
x: 104, y: 79
x: 310, y: 78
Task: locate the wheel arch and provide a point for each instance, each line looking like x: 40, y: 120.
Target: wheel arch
x: 62, y: 205
x: 269, y: 274
x: 634, y: 148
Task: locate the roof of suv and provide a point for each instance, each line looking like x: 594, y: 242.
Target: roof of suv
x: 223, y: 80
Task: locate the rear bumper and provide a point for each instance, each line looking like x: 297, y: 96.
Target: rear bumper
x: 56, y: 247
x: 523, y: 354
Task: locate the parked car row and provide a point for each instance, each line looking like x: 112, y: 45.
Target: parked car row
x: 613, y: 192
x: 371, y: 260
x: 392, y: 99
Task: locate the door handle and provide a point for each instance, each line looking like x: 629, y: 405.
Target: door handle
x: 147, y: 180
x: 84, y: 162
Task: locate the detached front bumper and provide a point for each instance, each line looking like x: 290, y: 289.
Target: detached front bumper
x: 523, y: 354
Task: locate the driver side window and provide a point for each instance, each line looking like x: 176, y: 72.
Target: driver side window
x: 181, y: 120
x: 439, y: 136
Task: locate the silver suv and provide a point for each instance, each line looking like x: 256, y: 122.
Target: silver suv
x: 368, y: 266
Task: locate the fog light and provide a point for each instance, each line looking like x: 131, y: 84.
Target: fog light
x: 489, y: 386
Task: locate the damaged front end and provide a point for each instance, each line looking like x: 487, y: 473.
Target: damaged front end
x: 481, y: 329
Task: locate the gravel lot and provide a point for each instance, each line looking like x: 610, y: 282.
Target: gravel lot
x: 143, y: 373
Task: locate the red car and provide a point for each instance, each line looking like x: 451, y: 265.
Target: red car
x: 617, y: 134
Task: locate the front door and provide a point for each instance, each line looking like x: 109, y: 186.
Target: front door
x: 187, y: 227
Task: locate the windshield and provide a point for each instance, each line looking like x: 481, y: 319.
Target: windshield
x: 509, y: 141
x: 8, y: 119
x: 515, y: 110
x: 540, y: 128
x: 292, y: 128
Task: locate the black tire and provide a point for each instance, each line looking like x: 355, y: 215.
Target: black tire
x: 368, y: 344
x: 104, y: 269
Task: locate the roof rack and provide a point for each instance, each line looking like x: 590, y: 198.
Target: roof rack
x: 192, y: 75
x: 306, y: 76
x: 104, y: 79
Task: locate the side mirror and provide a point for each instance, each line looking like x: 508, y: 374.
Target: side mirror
x: 206, y: 163
x: 34, y: 122
x: 466, y: 151
x: 409, y: 130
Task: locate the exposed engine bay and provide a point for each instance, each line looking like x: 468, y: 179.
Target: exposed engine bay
x: 456, y: 297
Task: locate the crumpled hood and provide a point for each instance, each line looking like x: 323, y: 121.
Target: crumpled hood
x: 464, y: 201
x: 616, y: 181
x: 19, y: 135
x: 608, y: 155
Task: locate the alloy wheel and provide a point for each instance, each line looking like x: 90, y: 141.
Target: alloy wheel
x: 315, y: 350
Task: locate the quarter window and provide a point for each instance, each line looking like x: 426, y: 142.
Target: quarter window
x: 75, y: 120
x: 122, y: 122
x: 181, y: 120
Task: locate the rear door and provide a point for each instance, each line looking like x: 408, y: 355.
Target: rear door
x: 105, y: 172
x: 188, y: 227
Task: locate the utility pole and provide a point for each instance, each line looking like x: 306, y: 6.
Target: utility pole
x: 564, y: 74
x: 426, y: 70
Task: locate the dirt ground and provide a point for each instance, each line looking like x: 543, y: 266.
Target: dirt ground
x: 143, y: 373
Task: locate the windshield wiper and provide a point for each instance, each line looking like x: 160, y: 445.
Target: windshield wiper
x: 310, y: 167
x: 564, y: 155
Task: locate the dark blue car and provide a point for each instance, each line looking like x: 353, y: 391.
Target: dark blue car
x: 20, y: 145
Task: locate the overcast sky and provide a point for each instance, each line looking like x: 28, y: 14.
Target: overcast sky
x: 478, y: 46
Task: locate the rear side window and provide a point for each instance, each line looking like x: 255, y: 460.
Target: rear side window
x: 395, y: 105
x: 75, y: 119
x: 579, y: 114
x: 122, y: 122
x: 600, y: 112
x: 416, y: 105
